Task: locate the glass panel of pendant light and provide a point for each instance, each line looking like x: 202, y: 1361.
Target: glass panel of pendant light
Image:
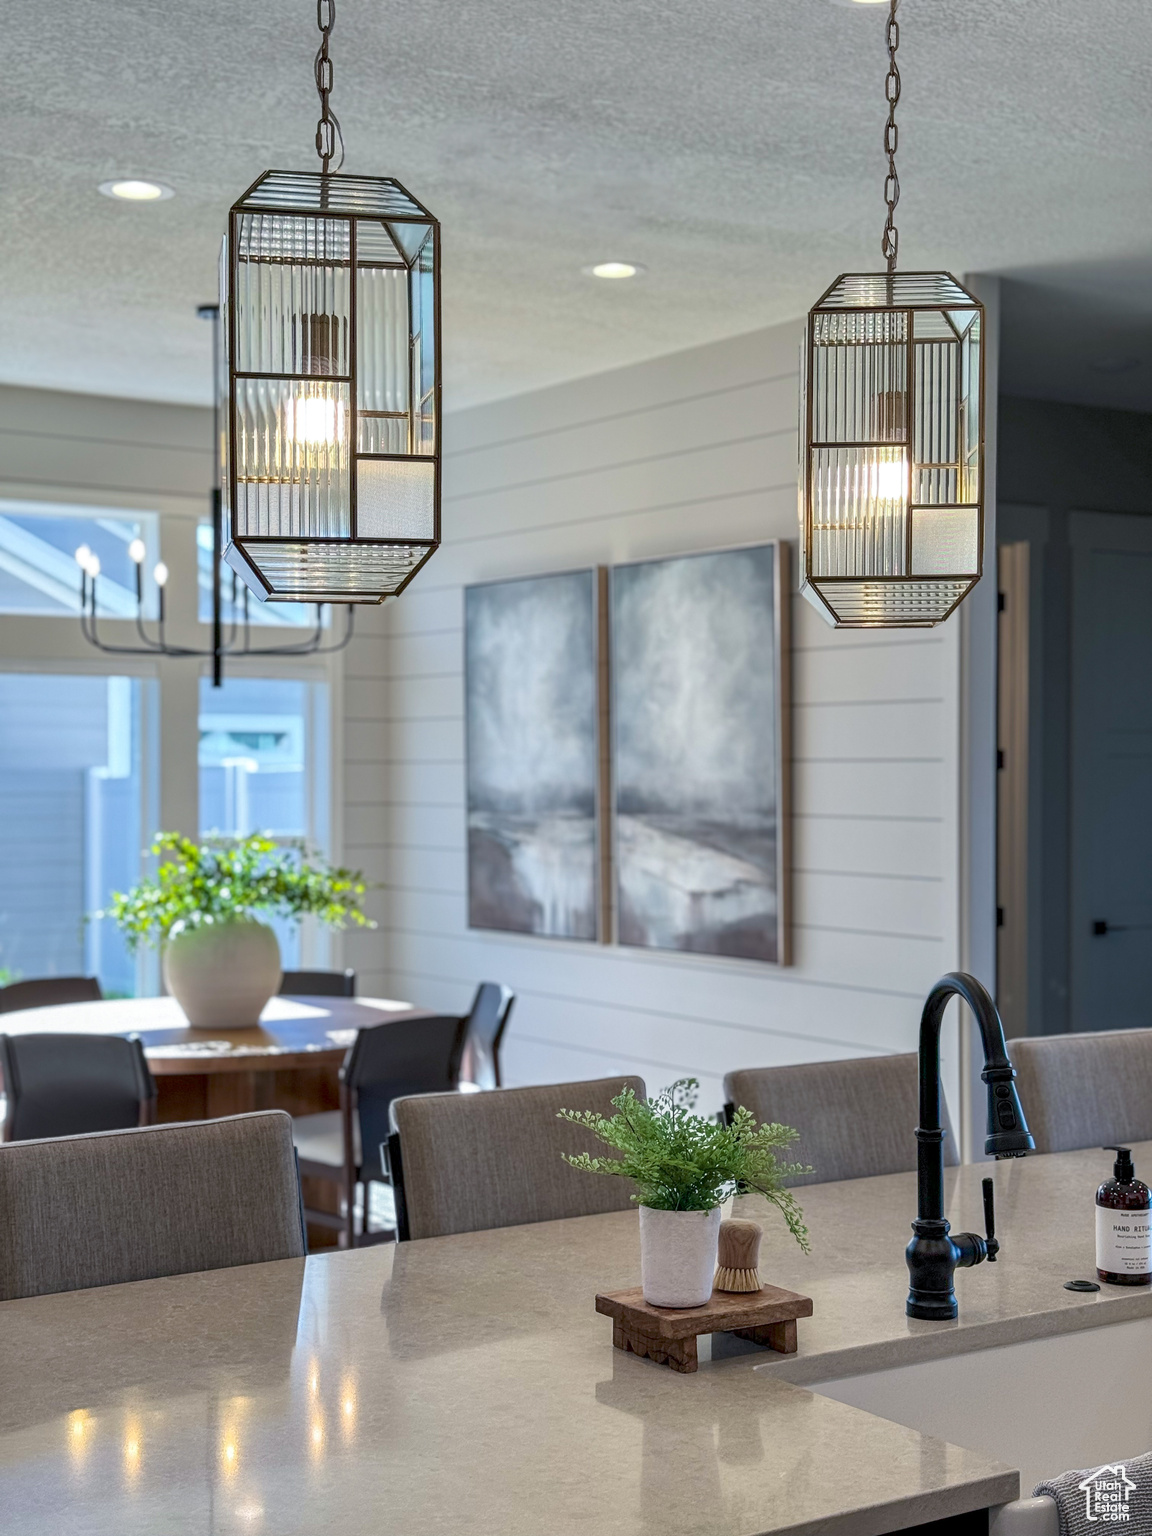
x: 891, y: 450
x: 331, y: 444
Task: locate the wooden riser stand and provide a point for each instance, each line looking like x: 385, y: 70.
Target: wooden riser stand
x: 668, y: 1335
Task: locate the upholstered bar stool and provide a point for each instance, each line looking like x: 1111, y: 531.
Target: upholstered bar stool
x: 465, y: 1162
x: 82, y: 1211
x: 1085, y: 1090
x: 856, y: 1118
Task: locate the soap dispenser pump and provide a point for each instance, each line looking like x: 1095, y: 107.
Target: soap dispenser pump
x: 1124, y: 1225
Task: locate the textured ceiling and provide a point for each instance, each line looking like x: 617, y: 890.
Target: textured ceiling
x: 732, y: 146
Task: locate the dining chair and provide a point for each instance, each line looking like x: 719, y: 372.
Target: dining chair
x: 856, y: 1118
x: 1084, y: 1090
x: 465, y: 1162
x: 69, y: 1085
x: 47, y: 991
x: 384, y: 1062
x: 103, y: 1209
x: 318, y: 984
x: 486, y: 1023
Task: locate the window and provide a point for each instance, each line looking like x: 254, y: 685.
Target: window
x: 263, y: 768
x: 38, y: 570
x: 91, y: 758
x: 73, y: 823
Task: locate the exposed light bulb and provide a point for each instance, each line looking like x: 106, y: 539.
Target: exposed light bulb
x: 888, y: 479
x: 160, y: 574
x: 314, y: 420
x: 136, y: 551
x: 93, y: 566
x: 83, y: 555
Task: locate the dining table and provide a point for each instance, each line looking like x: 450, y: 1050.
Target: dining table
x: 289, y: 1060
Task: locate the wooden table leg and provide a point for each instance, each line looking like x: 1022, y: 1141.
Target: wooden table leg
x: 680, y: 1354
x: 778, y: 1336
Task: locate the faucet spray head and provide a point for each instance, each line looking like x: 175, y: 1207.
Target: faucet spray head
x: 1008, y: 1133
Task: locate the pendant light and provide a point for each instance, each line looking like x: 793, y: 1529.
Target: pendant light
x: 892, y: 435
x: 331, y: 443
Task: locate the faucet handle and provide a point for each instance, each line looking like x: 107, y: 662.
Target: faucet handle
x: 990, y: 1221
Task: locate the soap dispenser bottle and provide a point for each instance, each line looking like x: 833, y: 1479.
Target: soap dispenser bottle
x: 1124, y: 1225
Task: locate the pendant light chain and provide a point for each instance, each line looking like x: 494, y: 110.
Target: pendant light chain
x: 890, y: 244
x: 328, y: 134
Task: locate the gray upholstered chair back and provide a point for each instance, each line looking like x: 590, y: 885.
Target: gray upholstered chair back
x: 856, y: 1118
x: 1085, y: 1090
x: 477, y: 1160
x: 84, y: 1211
x: 49, y: 992
x: 72, y: 1085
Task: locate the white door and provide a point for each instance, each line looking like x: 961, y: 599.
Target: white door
x: 1111, y: 740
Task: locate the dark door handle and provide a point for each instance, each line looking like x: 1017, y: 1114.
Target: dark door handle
x: 1100, y: 928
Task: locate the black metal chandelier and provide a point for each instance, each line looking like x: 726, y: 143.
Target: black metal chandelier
x: 330, y: 449
x: 892, y: 435
x: 231, y: 639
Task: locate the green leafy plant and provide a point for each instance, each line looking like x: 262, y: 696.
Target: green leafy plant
x: 217, y: 883
x: 681, y: 1161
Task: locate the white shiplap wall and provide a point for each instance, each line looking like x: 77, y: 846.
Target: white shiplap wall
x: 689, y: 452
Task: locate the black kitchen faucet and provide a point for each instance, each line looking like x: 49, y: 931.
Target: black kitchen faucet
x: 934, y: 1253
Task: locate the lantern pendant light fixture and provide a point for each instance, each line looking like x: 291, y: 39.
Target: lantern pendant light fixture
x: 892, y: 435
x: 329, y: 288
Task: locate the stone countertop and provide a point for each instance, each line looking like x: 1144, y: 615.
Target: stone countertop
x: 857, y: 1278
x: 466, y: 1384
x: 460, y: 1386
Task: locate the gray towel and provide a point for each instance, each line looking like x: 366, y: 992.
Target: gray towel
x: 1119, y: 1493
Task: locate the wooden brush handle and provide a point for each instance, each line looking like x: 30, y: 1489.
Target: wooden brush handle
x: 739, y: 1244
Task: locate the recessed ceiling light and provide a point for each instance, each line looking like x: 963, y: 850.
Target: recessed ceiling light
x: 130, y: 191
x: 852, y: 4
x: 614, y: 270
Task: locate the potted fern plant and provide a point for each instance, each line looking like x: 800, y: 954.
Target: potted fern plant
x: 684, y: 1167
x: 221, y: 963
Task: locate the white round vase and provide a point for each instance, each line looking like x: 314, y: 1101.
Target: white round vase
x: 678, y: 1256
x: 222, y: 974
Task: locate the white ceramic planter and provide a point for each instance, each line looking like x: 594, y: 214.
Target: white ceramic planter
x: 678, y: 1256
x: 222, y: 974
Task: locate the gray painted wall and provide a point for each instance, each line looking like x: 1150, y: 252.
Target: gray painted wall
x: 1055, y: 459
